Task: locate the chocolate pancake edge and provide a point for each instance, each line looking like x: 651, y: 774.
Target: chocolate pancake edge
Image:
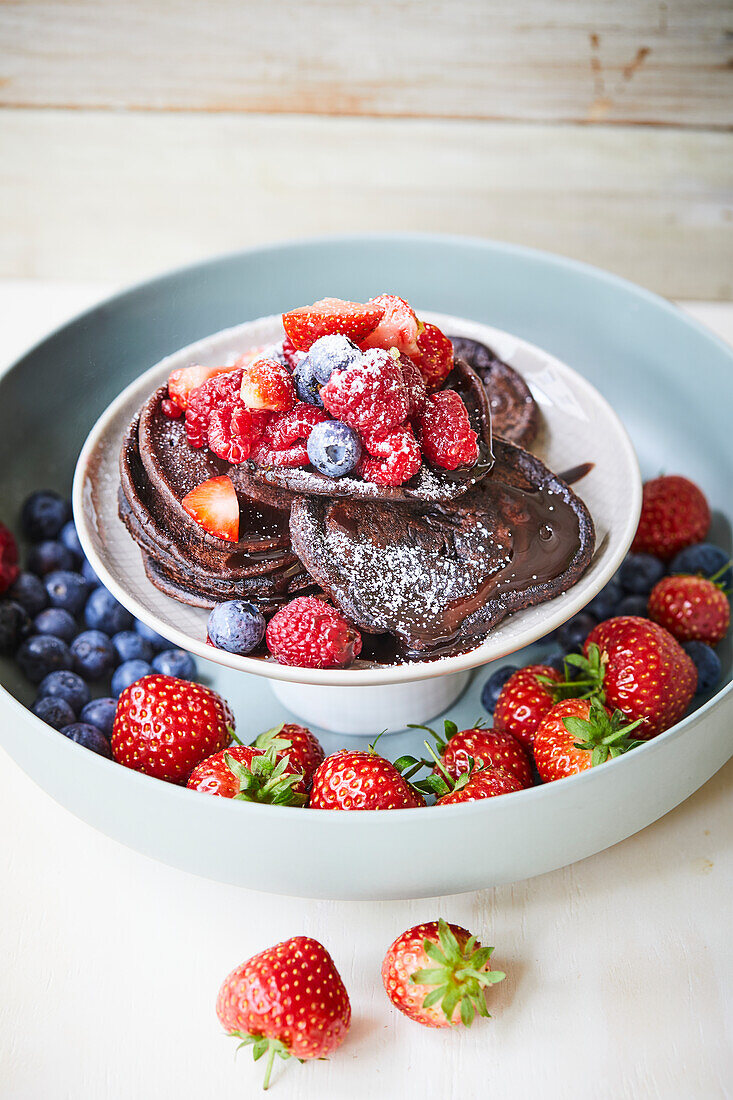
x: 514, y: 412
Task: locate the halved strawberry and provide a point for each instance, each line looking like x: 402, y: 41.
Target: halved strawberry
x: 267, y: 384
x: 398, y: 328
x: 433, y: 356
x: 329, y: 317
x: 184, y: 380
x: 215, y: 507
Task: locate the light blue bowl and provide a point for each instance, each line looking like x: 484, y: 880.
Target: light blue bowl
x: 671, y: 382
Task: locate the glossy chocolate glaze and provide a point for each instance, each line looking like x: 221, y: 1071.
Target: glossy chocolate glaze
x: 440, y: 580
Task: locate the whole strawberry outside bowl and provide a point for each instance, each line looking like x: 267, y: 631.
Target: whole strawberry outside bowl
x: 664, y: 375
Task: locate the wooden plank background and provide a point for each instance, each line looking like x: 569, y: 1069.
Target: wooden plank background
x: 140, y: 134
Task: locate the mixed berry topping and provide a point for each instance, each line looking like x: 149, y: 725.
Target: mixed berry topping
x: 311, y: 634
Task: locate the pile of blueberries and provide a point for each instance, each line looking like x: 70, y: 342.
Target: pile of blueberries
x: 628, y: 594
x: 67, y: 632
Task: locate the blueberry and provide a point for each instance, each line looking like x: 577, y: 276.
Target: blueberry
x: 706, y: 559
x: 54, y: 712
x: 94, y: 655
x: 573, y: 633
x: 640, y: 572
x: 49, y: 556
x: 331, y: 353
x: 89, y: 575
x: 41, y: 654
x: 603, y: 605
x: 100, y: 713
x: 56, y: 621
x: 30, y: 592
x: 70, y: 539
x: 15, y: 626
x: 492, y: 688
x: 67, y: 686
x: 67, y: 590
x: 131, y: 646
x: 88, y: 736
x: 237, y: 626
x: 707, y: 663
x: 175, y: 662
x: 128, y: 673
x: 632, y: 605
x: 102, y: 612
x: 43, y: 515
x: 334, y: 448
x: 157, y: 640
x: 306, y: 383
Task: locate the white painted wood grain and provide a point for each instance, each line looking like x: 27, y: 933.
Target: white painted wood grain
x: 87, y: 194
x: 619, y: 967
x: 577, y: 60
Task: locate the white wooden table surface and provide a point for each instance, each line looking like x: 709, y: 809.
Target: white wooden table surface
x: 620, y: 967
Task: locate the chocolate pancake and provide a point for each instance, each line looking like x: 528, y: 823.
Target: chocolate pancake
x: 157, y: 469
x: 514, y: 412
x: 428, y: 486
x: 441, y: 579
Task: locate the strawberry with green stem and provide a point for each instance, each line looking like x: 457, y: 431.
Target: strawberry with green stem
x: 578, y: 734
x: 248, y: 774
x: 482, y: 746
x: 471, y: 785
x: 297, y: 742
x: 437, y: 974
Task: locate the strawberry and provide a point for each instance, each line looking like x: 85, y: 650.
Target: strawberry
x: 302, y: 747
x: 354, y: 780
x: 215, y: 507
x: 183, y: 381
x: 462, y: 750
x: 480, y: 783
x: 398, y: 326
x: 524, y: 700
x: 165, y: 727
x: 577, y: 734
x: 433, y: 356
x: 437, y: 974
x: 674, y: 514
x: 287, y: 1001
x: 8, y: 558
x: 331, y: 316
x: 249, y: 775
x: 690, y: 608
x: 644, y: 671
x: 267, y: 384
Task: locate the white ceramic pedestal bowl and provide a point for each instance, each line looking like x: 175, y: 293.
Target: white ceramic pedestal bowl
x: 579, y: 426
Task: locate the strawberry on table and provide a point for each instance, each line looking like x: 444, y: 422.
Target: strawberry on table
x: 286, y: 1001
x: 330, y: 317
x: 302, y: 747
x: 690, y: 608
x: 524, y: 700
x: 485, y: 748
x: 398, y: 326
x: 437, y: 974
x: 674, y: 515
x: 356, y: 780
x: 215, y: 507
x: 578, y: 734
x: 644, y: 672
x: 250, y: 775
x: 165, y: 727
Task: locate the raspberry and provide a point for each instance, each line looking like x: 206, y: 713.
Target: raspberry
x: 221, y: 390
x: 170, y: 409
x: 395, y: 457
x: 311, y: 634
x: 231, y: 433
x: 8, y: 558
x: 371, y: 395
x: 417, y: 394
x: 267, y: 384
x: 445, y: 432
x: 434, y: 356
x: 284, y: 440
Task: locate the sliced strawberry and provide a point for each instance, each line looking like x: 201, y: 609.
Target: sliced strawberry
x: 215, y: 507
x: 398, y: 328
x: 267, y: 384
x: 329, y: 317
x: 433, y: 356
x: 184, y: 380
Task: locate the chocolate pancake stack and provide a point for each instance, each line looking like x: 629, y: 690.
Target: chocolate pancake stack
x: 425, y: 570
